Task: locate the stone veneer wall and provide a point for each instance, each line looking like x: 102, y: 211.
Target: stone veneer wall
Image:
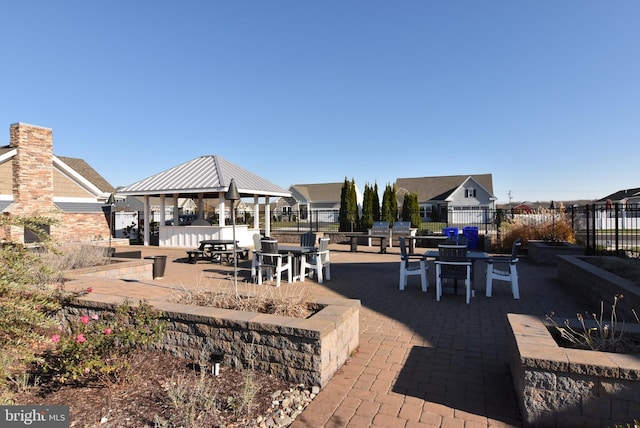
x: 80, y: 227
x: 561, y: 387
x: 33, y: 189
x: 307, y: 351
x: 32, y: 168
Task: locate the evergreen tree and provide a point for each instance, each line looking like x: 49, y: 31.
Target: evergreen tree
x: 354, y: 216
x: 411, y: 209
x: 348, y: 213
x: 376, y: 203
x: 389, y: 204
x: 342, y: 213
x: 367, y: 208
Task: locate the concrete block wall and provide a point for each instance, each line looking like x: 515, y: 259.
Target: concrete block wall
x: 140, y: 270
x: 307, y: 351
x: 562, y: 387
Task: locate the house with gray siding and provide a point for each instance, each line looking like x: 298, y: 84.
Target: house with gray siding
x: 452, y: 199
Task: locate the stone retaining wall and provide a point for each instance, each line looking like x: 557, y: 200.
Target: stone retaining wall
x: 121, y: 268
x: 598, y: 285
x: 546, y: 253
x: 307, y: 351
x: 561, y: 387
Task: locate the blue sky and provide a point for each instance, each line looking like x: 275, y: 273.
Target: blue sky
x: 544, y: 95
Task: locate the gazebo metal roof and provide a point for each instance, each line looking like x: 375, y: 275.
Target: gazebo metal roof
x: 209, y: 175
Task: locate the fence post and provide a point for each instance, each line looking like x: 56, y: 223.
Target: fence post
x: 593, y: 226
x: 617, y: 228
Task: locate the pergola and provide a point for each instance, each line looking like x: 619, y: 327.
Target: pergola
x: 206, y: 177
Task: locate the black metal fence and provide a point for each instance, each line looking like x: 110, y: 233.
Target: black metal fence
x: 605, y: 228
x: 611, y: 228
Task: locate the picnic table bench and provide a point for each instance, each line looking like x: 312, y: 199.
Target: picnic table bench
x: 216, y: 250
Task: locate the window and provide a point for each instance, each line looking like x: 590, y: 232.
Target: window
x: 470, y: 192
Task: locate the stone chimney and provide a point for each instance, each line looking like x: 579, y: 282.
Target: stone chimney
x: 32, y: 169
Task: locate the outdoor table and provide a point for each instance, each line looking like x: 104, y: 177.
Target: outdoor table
x: 214, y: 248
x: 298, y: 253
x: 472, y: 256
x: 411, y: 240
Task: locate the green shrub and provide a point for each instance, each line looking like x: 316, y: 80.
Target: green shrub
x: 95, y: 346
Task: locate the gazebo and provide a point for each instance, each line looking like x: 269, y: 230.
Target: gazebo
x: 204, y: 178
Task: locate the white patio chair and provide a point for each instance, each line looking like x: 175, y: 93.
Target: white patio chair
x: 320, y: 261
x: 453, y: 264
x: 412, y: 265
x: 273, y: 262
x: 504, y: 269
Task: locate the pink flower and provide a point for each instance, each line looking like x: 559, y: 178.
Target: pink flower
x: 87, y: 370
x: 80, y: 338
x: 55, y: 338
x: 89, y: 289
x: 85, y: 319
x: 94, y: 317
x: 108, y: 331
x: 38, y: 307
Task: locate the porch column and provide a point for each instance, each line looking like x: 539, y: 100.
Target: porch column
x: 176, y: 210
x: 267, y: 217
x: 163, y: 208
x: 147, y: 222
x: 222, y: 215
x: 256, y: 212
x: 200, y: 205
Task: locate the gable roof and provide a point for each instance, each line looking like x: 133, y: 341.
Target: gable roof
x: 440, y: 188
x: 82, y: 171
x: 621, y: 195
x: 86, y: 171
x: 209, y: 175
x: 323, y: 192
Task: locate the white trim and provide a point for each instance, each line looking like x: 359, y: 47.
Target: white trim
x: 72, y: 199
x: 65, y: 169
x: 8, y: 155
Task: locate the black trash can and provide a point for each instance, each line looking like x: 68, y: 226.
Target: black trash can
x: 159, y: 264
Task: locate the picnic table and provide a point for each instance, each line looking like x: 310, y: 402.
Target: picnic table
x: 217, y: 250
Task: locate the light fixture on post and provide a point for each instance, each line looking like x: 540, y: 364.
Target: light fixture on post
x: 233, y: 196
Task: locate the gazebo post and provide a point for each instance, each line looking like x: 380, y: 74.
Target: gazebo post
x: 146, y: 221
x: 176, y: 210
x: 222, y: 208
x: 256, y: 212
x: 267, y: 217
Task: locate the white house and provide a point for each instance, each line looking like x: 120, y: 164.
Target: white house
x: 453, y: 199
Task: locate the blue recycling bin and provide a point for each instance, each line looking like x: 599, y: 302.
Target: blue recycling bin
x: 451, y: 232
x: 472, y: 237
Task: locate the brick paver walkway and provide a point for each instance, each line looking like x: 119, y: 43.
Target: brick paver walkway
x: 420, y: 363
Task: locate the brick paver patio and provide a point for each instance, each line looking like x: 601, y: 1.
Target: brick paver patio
x: 420, y: 363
